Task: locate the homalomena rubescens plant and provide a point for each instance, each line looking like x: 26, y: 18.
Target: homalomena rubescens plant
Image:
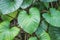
x: 39, y: 17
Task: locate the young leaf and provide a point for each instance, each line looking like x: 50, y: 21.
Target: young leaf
x: 26, y: 3
x: 8, y: 6
x: 9, y: 17
x: 48, y: 0
x: 29, y: 22
x: 42, y: 35
x: 7, y: 33
x: 53, y: 18
x: 32, y: 38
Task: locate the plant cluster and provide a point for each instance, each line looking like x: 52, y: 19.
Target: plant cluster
x: 38, y: 17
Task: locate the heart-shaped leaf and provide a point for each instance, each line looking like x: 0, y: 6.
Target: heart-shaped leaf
x: 41, y: 34
x: 54, y: 33
x: 29, y: 23
x: 8, y: 6
x: 48, y: 0
x: 53, y: 18
x: 33, y: 38
x: 6, y: 33
x: 26, y: 3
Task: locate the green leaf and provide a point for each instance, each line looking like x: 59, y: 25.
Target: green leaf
x: 46, y: 4
x: 53, y: 18
x: 9, y: 16
x: 8, y: 6
x: 40, y: 5
x: 26, y: 3
x: 7, y: 33
x: 48, y: 0
x: 11, y: 33
x: 29, y: 22
x: 44, y: 25
x: 54, y: 33
x: 4, y: 25
x: 41, y: 34
x: 33, y: 38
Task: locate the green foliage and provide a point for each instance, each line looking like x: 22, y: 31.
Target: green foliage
x: 6, y: 33
x: 8, y: 6
x: 48, y: 0
x: 39, y: 18
x: 44, y: 25
x: 26, y: 3
x: 10, y: 16
x: 53, y: 17
x: 41, y: 34
x: 54, y: 33
x: 29, y: 22
x: 32, y: 38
